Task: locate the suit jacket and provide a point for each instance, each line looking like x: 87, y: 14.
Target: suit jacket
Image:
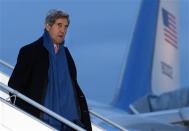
x: 30, y: 77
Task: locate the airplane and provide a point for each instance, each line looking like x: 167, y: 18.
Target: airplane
x: 149, y: 97
x: 150, y: 82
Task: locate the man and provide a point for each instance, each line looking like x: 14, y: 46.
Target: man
x: 46, y: 73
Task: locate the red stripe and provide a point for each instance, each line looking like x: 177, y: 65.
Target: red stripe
x: 172, y: 30
x: 172, y: 20
x: 170, y: 38
x: 172, y: 25
x: 171, y: 43
x: 169, y: 32
x: 171, y: 15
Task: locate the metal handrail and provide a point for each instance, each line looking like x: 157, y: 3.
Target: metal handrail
x: 42, y: 108
x: 6, y: 64
x: 108, y: 121
x: 91, y: 112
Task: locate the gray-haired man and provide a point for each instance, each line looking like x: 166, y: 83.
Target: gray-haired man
x: 45, y: 72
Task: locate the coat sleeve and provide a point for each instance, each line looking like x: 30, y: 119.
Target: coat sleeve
x: 21, y: 73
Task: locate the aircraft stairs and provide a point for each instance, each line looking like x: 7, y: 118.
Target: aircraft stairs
x: 13, y: 118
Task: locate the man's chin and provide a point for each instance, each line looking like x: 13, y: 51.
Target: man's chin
x: 59, y: 42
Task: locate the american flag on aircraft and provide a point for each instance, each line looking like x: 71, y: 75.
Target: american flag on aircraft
x: 170, y: 30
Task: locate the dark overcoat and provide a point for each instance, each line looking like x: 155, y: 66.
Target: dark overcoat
x: 30, y: 77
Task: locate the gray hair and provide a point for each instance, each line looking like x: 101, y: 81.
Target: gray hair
x: 54, y: 14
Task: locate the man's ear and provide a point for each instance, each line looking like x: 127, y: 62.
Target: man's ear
x: 47, y: 27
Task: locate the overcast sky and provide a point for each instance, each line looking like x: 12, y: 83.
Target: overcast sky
x: 98, y: 37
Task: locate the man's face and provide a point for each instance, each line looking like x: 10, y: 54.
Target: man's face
x: 58, y: 30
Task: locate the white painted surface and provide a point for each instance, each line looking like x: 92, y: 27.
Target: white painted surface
x: 4, y: 79
x: 166, y: 53
x: 13, y: 119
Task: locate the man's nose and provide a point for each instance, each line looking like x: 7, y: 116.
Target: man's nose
x: 63, y: 30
